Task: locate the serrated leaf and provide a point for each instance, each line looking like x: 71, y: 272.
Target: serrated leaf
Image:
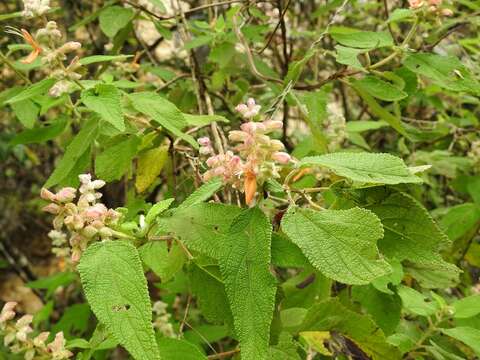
x: 114, y: 18
x: 105, y: 101
x: 162, y: 111
x: 202, y: 227
x: 348, y: 56
x: 149, y: 165
x: 467, y: 335
x: 79, y: 146
x: 416, y: 302
x: 157, y: 209
x: 381, y: 89
x: 339, y: 243
x: 365, y: 167
x: 249, y: 285
x: 331, y: 315
x: 112, y: 163
x: 38, y: 88
x: 286, y: 254
x: 116, y: 289
x: 410, y: 232
x: 203, y: 193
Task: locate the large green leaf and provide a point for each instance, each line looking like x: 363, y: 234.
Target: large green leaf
x: 249, y: 285
x: 361, y: 39
x: 202, y: 227
x: 411, y: 234
x: 381, y: 89
x: 365, y: 167
x: 162, y: 111
x: 105, y: 101
x: 467, y: 307
x: 446, y: 71
x: 179, y: 349
x: 331, y: 315
x: 74, y: 153
x: 40, y: 134
x: 38, y: 88
x: 115, y: 18
x: 116, y: 289
x: 115, y: 161
x: 467, y: 335
x: 339, y: 243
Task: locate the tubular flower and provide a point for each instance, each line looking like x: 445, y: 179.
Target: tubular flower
x: 254, y: 157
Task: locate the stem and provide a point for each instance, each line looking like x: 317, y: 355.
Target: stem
x: 11, y: 66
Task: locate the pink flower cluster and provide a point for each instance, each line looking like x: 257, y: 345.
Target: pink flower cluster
x: 86, y: 220
x: 255, y: 155
x: 433, y: 6
x: 17, y: 338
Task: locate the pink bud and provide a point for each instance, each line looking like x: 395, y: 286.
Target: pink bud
x: 205, y: 150
x: 219, y: 170
x: 276, y: 145
x: 52, y: 208
x: 76, y: 254
x: 249, y: 127
x: 66, y: 194
x: 415, y: 4
x: 45, y: 194
x: 241, y: 108
x: 95, y: 212
x: 85, y: 178
x: 212, y: 161
x: 204, y: 141
x: 281, y: 157
x: 251, y: 102
x: 39, y: 341
x: 97, y: 184
x: 434, y: 2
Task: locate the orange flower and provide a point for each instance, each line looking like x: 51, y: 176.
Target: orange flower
x: 250, y: 185
x: 36, y: 48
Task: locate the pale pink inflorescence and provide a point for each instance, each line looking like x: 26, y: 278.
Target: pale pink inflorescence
x: 17, y: 336
x: 85, y: 220
x: 433, y: 6
x: 254, y: 157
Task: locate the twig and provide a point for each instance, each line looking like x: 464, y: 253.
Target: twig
x: 223, y: 354
x: 270, y: 38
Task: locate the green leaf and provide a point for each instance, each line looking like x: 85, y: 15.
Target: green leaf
x: 178, y: 349
x: 116, y: 289
x: 40, y: 134
x: 384, y: 309
x: 115, y: 161
x: 249, y: 285
x: 210, y: 293
x: 38, y: 88
x: 467, y: 307
x: 378, y: 110
x: 286, y: 254
x: 467, y: 335
x: 410, y: 232
x: 416, y: 302
x: 202, y: 120
x: 446, y: 71
x: 199, y: 41
x: 381, y: 89
x: 459, y: 220
x: 365, y: 125
x: 339, y: 243
x: 87, y: 60
x: 79, y: 146
x: 157, y: 209
x: 365, y: 167
x: 348, y: 56
x: 331, y: 315
x: 361, y: 39
x: 286, y: 349
x: 163, y: 262
x: 26, y: 112
x: 202, y: 227
x: 399, y: 15
x: 203, y: 193
x: 149, y: 165
x: 115, y: 18
x: 162, y: 111
x: 105, y: 101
